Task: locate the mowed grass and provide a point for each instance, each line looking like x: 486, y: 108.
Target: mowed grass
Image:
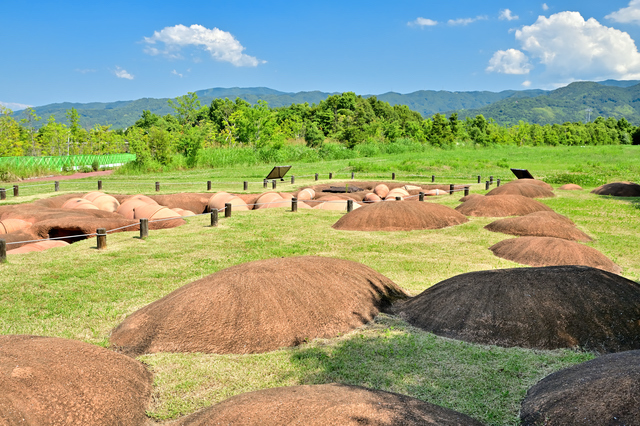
x: 81, y: 293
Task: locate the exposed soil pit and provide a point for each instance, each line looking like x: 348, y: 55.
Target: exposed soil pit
x: 549, y: 251
x: 603, y: 391
x: 331, y: 404
x: 501, y: 206
x: 534, y: 225
x: 619, y: 189
x: 258, y: 307
x: 524, y: 189
x: 53, y: 381
x: 400, y: 217
x: 542, y: 308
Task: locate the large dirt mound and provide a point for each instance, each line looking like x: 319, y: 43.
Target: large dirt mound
x: 549, y: 251
x: 319, y: 405
x: 400, y: 217
x: 194, y: 202
x: 603, y: 391
x: 536, y: 182
x: 52, y: 381
x: 544, y: 308
x: 258, y: 307
x: 501, y: 206
x: 619, y: 189
x: 524, y: 189
x: 538, y: 226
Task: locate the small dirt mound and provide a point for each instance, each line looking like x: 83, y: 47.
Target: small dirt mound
x: 524, y: 189
x: 549, y: 251
x: 258, y: 307
x: 470, y: 196
x: 52, y: 381
x: 544, y: 308
x: 331, y: 404
x: 39, y: 246
x: 603, y: 391
x: 536, y: 182
x: 551, y: 215
x: 501, y: 206
x: 400, y: 217
x: 619, y: 189
x: 538, y: 226
x: 570, y: 187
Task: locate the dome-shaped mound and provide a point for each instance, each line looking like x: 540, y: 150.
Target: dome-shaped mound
x: 9, y: 226
x: 551, y: 215
x: 194, y: 202
x: 536, y: 182
x: 524, y: 189
x: 39, y: 246
x: 549, y: 251
x: 544, y: 308
x: 501, y: 206
x: 52, y: 381
x: 603, y: 391
x: 80, y: 204
x: 102, y: 201
x: 470, y: 196
x: 258, y: 307
x: 538, y: 226
x: 331, y: 404
x: 570, y: 187
x: 619, y: 189
x: 400, y: 217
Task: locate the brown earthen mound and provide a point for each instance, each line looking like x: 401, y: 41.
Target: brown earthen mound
x: 195, y: 202
x: 544, y: 308
x: 39, y: 246
x: 258, y: 307
x: 470, y: 196
x: 524, y: 189
x: 320, y: 405
x: 551, y: 215
x: 603, y: 391
x: 400, y: 217
x: 570, y: 187
x: 536, y: 182
x: 549, y: 251
x: 619, y: 189
x: 501, y: 206
x: 52, y: 381
x: 538, y: 226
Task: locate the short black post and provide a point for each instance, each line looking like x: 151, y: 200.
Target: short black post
x: 245, y: 185
x: 393, y: 176
x: 3, y: 251
x: 157, y: 186
x: 293, y: 179
x: 16, y: 191
x: 479, y: 177
x: 294, y: 204
x: 421, y: 196
x: 398, y: 198
x: 101, y: 238
x: 316, y: 176
x: 208, y: 185
x: 144, y: 228
x: 3, y: 194
x: 99, y: 185
x: 466, y: 191
x: 273, y: 184
x: 349, y: 206
x: 352, y: 175
x: 498, y: 182
x: 227, y: 209
x: 56, y: 186
x: 452, y: 188
x: 486, y: 186
x: 214, y: 217
x: 490, y: 180
x: 433, y: 178
x: 330, y: 175
x: 264, y: 183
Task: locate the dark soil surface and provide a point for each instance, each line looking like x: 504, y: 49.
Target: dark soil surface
x: 532, y: 225
x: 619, y: 189
x: 320, y: 405
x: 258, y: 307
x: 541, y: 308
x: 603, y: 391
x: 549, y: 251
x: 501, y: 206
x: 53, y: 381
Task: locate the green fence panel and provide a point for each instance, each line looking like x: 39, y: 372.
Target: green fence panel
x: 70, y: 161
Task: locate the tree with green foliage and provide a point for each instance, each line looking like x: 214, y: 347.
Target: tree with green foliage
x: 10, y: 143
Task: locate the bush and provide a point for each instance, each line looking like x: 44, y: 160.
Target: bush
x: 95, y: 165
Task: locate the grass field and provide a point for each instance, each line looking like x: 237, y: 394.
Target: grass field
x: 80, y: 293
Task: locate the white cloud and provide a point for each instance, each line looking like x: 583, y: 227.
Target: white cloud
x: 466, y: 21
x: 13, y: 106
x: 629, y: 14
x: 174, y: 72
x: 509, y: 61
x: 574, y: 49
x: 506, y: 15
x: 545, y: 7
x: 84, y: 71
x: 422, y: 22
x: 122, y: 73
x: 221, y: 45
x: 526, y: 83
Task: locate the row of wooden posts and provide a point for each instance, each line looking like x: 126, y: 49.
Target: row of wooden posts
x: 245, y: 184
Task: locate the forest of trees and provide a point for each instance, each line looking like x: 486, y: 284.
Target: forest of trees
x: 345, y: 119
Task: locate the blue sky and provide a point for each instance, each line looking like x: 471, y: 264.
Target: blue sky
x: 58, y: 51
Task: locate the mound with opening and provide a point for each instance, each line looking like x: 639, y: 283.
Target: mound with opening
x: 400, y: 216
x: 259, y: 306
x: 603, y: 391
x: 53, y: 381
x: 538, y: 226
x: 542, y: 308
x: 501, y: 206
x: 549, y: 251
x: 331, y: 404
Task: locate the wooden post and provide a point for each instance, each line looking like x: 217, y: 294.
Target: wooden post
x: 56, y: 186
x: 466, y: 191
x: 349, y: 206
x: 245, y: 185
x: 99, y: 185
x: 486, y: 186
x: 3, y: 194
x: 144, y: 228
x: 352, y: 175
x: 421, y: 196
x: 398, y: 198
x: 452, y: 188
x: 433, y: 178
x: 478, y: 178
x: 330, y: 175
x: 3, y: 251
x: 498, y: 182
x: 316, y: 176
x: 273, y: 184
x: 264, y: 183
x: 293, y: 179
x: 101, y: 238
x: 294, y: 204
x: 208, y: 185
x: 16, y: 191
x: 490, y: 180
x: 157, y: 186
x: 227, y: 209
x: 214, y: 217
x: 393, y: 176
